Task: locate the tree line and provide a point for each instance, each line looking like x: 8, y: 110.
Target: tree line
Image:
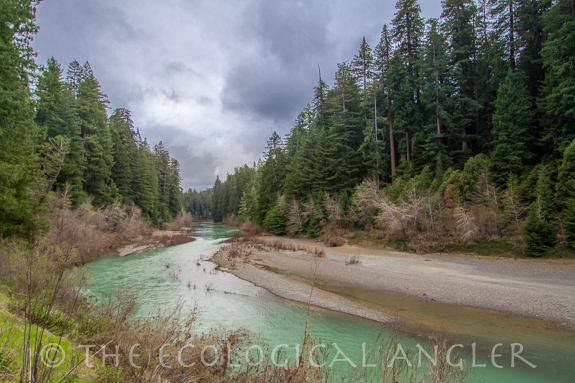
x: 199, y: 203
x: 482, y: 97
x: 56, y: 134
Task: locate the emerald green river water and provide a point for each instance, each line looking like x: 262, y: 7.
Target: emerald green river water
x: 164, y: 277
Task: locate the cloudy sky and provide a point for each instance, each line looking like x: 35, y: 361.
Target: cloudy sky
x: 211, y: 78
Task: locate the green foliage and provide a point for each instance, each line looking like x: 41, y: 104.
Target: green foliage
x: 474, y: 102
x: 570, y: 216
x: 540, y: 228
x: 566, y: 176
x: 274, y: 222
x: 557, y: 105
x: 511, y: 128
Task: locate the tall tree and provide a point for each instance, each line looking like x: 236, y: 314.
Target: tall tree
x: 57, y: 114
x: 408, y: 30
x: 19, y: 170
x: 97, y: 141
x: 557, y: 104
x: 511, y: 128
x: 384, y: 53
x: 458, y: 17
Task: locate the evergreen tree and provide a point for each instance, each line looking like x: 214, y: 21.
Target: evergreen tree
x: 435, y: 92
x: 458, y: 17
x: 570, y: 216
x: 97, y: 141
x: 384, y: 53
x: 511, y: 128
x: 408, y: 30
x: 74, y: 76
x: 57, y: 114
x: 557, y: 106
x: 566, y: 176
x: 125, y: 152
x: 540, y: 230
x: 362, y: 64
x: 19, y: 170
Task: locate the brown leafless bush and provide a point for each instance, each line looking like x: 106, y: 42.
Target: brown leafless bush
x: 353, y: 260
x: 295, y: 217
x: 333, y: 209
x: 231, y: 220
x: 364, y: 202
x: 466, y: 227
x: 183, y: 220
x: 251, y: 227
x: 400, y: 218
x: 334, y: 235
x: 89, y: 231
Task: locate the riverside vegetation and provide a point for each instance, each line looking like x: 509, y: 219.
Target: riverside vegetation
x: 451, y: 132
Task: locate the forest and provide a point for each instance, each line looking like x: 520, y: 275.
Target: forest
x: 457, y: 129
x: 57, y: 136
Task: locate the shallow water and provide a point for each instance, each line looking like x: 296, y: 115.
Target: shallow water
x: 164, y: 277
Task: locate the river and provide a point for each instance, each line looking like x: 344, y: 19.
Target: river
x: 162, y: 278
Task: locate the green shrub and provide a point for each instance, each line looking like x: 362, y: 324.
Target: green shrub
x: 275, y: 223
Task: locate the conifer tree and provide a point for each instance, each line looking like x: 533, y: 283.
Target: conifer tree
x: 408, y: 30
x: 362, y: 64
x: 566, y: 176
x: 124, y: 145
x: 511, y: 128
x: 74, y: 76
x: 557, y: 106
x: 19, y: 170
x: 97, y: 141
x: 569, y: 216
x: 384, y: 53
x: 57, y: 114
x: 540, y: 230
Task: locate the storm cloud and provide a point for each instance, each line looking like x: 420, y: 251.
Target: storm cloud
x: 212, y: 79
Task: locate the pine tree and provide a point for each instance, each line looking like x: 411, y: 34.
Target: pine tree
x: 362, y: 64
x: 408, y: 30
x: 97, y: 142
x: 566, y: 176
x: 74, y: 76
x: 569, y: 215
x: 57, y: 114
x: 458, y: 17
x: 435, y: 92
x: 124, y: 145
x: 557, y: 106
x: 540, y: 230
x: 345, y: 133
x: 19, y: 170
x: 384, y: 53
x: 511, y: 128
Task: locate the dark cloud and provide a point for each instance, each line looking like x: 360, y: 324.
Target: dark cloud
x: 211, y: 78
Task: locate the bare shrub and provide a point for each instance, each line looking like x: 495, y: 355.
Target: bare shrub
x: 333, y: 209
x: 295, y: 217
x: 353, y: 260
x: 400, y: 218
x: 182, y: 220
x: 334, y: 235
x: 468, y: 230
x: 364, y: 201
x: 251, y: 227
x: 231, y: 220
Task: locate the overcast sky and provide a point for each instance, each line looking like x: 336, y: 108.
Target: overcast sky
x: 211, y: 78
